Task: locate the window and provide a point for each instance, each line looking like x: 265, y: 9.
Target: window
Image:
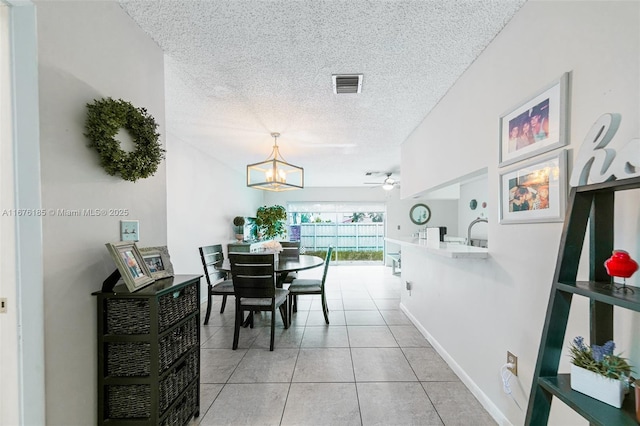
x: 356, y: 230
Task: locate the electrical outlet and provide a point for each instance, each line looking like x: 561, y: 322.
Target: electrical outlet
x: 512, y: 359
x: 3, y: 305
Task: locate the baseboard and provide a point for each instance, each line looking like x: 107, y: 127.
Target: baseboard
x: 488, y: 405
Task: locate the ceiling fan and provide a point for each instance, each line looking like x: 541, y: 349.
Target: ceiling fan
x: 387, y: 184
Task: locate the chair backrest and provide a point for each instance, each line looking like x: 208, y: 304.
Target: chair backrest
x: 253, y: 274
x: 327, y: 260
x: 211, y: 257
x: 290, y: 249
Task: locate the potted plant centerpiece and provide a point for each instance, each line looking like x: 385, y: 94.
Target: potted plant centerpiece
x: 238, y: 227
x: 271, y: 221
x: 597, y: 372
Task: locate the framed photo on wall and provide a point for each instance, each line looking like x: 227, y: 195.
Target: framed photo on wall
x: 158, y: 261
x: 537, y: 125
x: 131, y: 264
x: 535, y: 191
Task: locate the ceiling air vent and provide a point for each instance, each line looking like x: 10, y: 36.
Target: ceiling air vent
x: 347, y: 83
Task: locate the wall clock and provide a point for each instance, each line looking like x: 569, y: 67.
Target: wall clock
x: 420, y: 214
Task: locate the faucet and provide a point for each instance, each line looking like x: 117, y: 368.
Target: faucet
x: 471, y: 225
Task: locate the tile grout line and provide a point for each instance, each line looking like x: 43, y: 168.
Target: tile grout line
x: 353, y: 368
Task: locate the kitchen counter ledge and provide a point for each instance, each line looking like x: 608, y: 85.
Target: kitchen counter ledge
x: 452, y: 250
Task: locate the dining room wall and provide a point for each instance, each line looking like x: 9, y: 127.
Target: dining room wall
x: 204, y: 196
x: 474, y: 311
x: 87, y: 50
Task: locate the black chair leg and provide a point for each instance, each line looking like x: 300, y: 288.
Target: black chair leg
x: 224, y: 303
x: 284, y: 314
x: 236, y: 327
x: 273, y: 327
x: 209, y: 302
x: 325, y: 310
x: 295, y: 303
x: 288, y: 317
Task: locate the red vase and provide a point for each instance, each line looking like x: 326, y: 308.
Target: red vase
x: 620, y: 264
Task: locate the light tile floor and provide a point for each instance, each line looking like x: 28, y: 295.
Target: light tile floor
x: 370, y: 366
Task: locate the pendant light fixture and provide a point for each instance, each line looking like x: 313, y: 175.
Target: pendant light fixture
x: 275, y: 174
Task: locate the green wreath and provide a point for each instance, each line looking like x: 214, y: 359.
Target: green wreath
x: 104, y: 118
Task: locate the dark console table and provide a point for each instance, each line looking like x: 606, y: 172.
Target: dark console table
x: 149, y: 353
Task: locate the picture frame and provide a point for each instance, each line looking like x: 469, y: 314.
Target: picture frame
x: 158, y: 261
x: 537, y: 125
x: 535, y: 191
x: 130, y: 264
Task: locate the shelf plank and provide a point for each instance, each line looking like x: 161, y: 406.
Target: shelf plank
x: 612, y: 185
x: 603, y: 292
x: 591, y: 409
x: 128, y: 380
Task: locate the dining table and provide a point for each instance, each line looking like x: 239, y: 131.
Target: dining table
x: 283, y: 266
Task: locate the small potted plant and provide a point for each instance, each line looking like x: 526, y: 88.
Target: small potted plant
x: 238, y: 226
x: 597, y: 372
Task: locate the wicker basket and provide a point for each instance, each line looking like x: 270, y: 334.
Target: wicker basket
x: 180, y: 414
x: 178, y: 380
x: 132, y: 315
x: 129, y: 359
x: 128, y: 316
x: 132, y: 359
x: 128, y: 401
x: 134, y: 401
x: 176, y: 306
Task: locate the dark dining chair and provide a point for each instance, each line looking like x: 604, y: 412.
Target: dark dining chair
x: 254, y: 283
x: 218, y: 283
x: 301, y: 286
x: 290, y: 250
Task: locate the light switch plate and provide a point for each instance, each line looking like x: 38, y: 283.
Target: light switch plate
x: 129, y: 230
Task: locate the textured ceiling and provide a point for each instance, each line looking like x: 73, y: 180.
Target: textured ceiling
x: 238, y: 70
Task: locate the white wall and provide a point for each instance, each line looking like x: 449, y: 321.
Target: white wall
x: 21, y: 326
x: 354, y: 195
x: 86, y: 51
x: 476, y: 310
x: 443, y: 213
x: 9, y: 357
x: 475, y: 190
x: 203, y: 196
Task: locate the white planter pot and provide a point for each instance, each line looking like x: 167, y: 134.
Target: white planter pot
x: 609, y: 391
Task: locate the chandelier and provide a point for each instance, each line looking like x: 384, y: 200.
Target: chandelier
x: 274, y: 173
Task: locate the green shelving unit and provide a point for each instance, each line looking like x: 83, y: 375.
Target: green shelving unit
x: 591, y: 209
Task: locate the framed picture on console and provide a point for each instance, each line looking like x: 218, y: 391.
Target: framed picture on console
x: 536, y: 125
x: 158, y: 261
x: 131, y: 264
x: 535, y: 191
